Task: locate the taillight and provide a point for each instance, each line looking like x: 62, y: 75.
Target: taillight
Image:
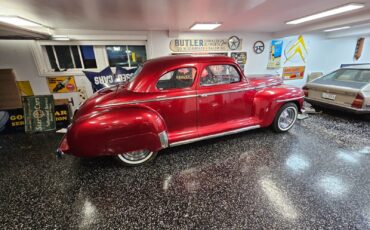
x: 358, y: 102
x: 305, y: 90
x: 63, y: 146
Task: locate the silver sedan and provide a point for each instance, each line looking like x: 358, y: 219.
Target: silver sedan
x: 344, y: 89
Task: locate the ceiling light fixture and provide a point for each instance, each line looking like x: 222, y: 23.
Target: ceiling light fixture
x: 60, y: 38
x: 338, y: 10
x: 205, y: 26
x: 338, y: 28
x: 19, y: 21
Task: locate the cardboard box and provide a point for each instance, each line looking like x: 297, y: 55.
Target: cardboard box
x: 9, y: 94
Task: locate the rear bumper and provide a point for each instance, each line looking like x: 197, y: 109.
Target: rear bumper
x: 337, y: 107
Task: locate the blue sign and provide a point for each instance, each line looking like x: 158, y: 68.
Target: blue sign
x: 278, y: 47
x: 106, y: 78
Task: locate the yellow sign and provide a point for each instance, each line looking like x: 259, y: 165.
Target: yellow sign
x: 293, y: 72
x: 62, y: 84
x: 298, y: 48
x: 25, y: 88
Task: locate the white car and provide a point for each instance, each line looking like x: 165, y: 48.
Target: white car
x: 344, y: 89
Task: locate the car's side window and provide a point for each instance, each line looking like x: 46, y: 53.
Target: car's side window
x: 219, y: 74
x: 177, y: 79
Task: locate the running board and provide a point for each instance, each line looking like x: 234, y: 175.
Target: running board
x: 214, y: 135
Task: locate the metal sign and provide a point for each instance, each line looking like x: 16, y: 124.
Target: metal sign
x: 205, y: 45
x: 39, y: 113
x: 259, y: 47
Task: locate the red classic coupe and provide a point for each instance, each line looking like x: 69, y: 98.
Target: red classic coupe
x: 177, y: 100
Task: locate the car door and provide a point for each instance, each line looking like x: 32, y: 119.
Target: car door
x: 176, y: 92
x: 224, y: 100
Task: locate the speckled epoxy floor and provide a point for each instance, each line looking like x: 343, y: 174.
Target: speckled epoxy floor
x: 315, y: 176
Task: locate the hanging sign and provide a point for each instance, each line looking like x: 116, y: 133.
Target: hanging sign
x: 39, y: 113
x: 275, y: 54
x: 205, y: 45
x: 106, y: 78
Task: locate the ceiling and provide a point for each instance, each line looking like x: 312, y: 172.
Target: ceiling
x: 178, y: 15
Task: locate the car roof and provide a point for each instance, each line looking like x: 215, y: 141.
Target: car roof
x: 360, y: 67
x: 156, y: 67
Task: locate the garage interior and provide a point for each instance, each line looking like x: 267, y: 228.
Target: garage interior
x: 316, y: 175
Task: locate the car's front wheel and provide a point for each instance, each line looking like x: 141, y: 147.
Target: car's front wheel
x: 285, y: 118
x: 136, y: 158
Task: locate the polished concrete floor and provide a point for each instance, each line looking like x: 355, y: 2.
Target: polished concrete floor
x: 315, y: 176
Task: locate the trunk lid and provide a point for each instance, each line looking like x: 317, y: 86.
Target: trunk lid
x: 332, y: 94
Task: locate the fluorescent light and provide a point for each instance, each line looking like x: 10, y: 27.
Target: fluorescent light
x: 338, y: 28
x: 338, y: 10
x: 60, y: 37
x: 205, y: 26
x: 18, y: 21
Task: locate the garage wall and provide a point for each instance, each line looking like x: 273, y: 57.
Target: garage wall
x: 158, y: 45
x: 325, y: 55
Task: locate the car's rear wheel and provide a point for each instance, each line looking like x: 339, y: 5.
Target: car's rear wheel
x: 285, y: 117
x: 138, y: 157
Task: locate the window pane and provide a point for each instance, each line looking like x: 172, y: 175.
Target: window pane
x: 219, y: 74
x: 64, y: 57
x: 50, y: 52
x: 76, y: 56
x: 88, y: 57
x: 177, y: 79
x: 137, y: 55
x: 117, y: 56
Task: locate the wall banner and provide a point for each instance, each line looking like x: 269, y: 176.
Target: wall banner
x: 63, y: 84
x: 293, y: 72
x: 205, y: 45
x: 39, y: 113
x: 275, y: 54
x: 106, y: 78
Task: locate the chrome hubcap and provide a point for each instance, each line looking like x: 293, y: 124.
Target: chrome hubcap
x: 135, y: 156
x: 287, y: 118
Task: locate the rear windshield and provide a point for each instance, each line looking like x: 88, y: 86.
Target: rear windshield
x: 353, y: 78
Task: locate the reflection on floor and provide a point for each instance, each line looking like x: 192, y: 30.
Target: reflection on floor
x: 317, y: 175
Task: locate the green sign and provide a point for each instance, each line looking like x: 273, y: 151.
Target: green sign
x: 39, y: 113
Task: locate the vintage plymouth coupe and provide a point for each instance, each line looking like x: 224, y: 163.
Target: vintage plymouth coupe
x: 177, y: 100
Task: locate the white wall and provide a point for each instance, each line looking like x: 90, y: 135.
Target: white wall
x: 324, y: 55
x: 17, y: 55
x: 159, y: 45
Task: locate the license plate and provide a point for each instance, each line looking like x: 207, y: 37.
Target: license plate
x: 328, y: 96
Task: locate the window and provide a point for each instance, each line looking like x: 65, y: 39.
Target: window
x: 126, y: 56
x: 354, y: 78
x: 64, y: 57
x: 177, y: 79
x: 219, y: 74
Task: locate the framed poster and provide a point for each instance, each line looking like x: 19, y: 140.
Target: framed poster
x: 62, y: 84
x: 39, y: 113
x: 293, y: 72
x: 239, y: 57
x: 275, y: 54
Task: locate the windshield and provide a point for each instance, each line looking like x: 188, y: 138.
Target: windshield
x: 353, y: 78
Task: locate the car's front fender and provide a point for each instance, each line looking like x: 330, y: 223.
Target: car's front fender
x: 268, y: 101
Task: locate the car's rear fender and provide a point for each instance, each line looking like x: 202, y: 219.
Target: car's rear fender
x: 117, y: 130
x: 268, y: 101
